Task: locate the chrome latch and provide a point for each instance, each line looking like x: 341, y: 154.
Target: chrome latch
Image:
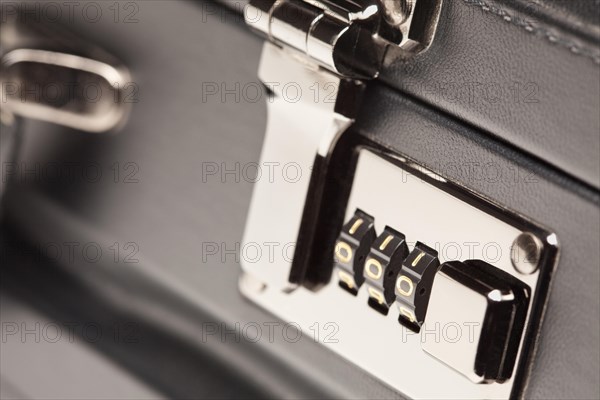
x: 316, y: 62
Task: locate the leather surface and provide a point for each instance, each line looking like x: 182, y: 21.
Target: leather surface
x: 171, y: 211
x: 25, y: 363
x: 538, y: 90
x: 527, y: 72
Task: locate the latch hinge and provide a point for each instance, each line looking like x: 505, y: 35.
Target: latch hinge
x: 349, y: 38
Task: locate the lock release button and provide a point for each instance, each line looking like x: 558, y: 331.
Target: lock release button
x: 487, y: 307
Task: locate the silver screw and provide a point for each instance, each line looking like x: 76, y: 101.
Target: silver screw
x: 526, y: 252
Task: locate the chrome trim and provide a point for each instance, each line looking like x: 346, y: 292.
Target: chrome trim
x: 102, y: 116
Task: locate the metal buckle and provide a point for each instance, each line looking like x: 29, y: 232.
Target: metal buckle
x: 50, y: 75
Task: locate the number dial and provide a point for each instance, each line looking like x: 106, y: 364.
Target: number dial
x: 413, y: 285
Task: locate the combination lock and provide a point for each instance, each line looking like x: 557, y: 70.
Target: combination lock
x: 392, y: 274
x: 414, y: 268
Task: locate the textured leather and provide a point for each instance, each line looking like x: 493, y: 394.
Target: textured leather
x: 527, y: 72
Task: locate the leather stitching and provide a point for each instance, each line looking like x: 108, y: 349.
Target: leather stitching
x: 552, y: 37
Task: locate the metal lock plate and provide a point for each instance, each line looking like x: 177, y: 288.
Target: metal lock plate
x: 460, y: 226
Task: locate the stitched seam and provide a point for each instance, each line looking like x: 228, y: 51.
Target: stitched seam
x: 552, y: 37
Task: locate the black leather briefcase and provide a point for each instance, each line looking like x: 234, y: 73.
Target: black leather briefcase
x: 303, y: 199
